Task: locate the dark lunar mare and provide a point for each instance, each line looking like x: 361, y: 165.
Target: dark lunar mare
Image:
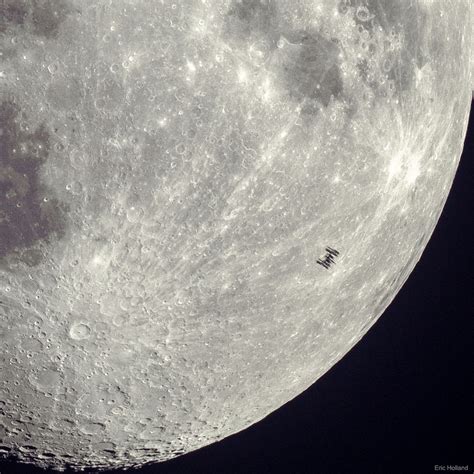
x: 311, y: 70
x: 252, y: 18
x: 408, y: 19
x: 29, y: 214
x: 42, y: 17
x: 308, y: 66
x: 12, y: 12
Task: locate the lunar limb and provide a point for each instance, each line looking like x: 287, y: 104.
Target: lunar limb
x: 205, y: 204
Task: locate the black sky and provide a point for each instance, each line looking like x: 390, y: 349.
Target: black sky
x: 400, y: 401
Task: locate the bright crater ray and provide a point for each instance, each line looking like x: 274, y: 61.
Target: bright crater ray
x: 205, y: 204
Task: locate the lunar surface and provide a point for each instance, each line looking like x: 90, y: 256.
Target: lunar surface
x: 204, y: 204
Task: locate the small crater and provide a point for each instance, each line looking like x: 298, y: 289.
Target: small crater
x: 363, y: 14
x: 91, y: 428
x: 152, y: 433
x: 121, y: 319
x: 46, y: 455
x: 79, y: 331
x: 4, y: 449
x: 27, y: 448
x: 108, y: 447
x: 46, y: 380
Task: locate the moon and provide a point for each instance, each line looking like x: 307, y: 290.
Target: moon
x: 204, y: 205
